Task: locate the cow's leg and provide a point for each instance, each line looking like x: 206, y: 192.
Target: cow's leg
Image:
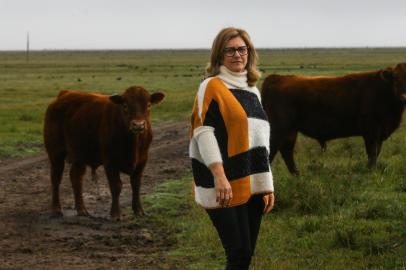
x: 277, y: 140
x: 136, y: 185
x: 57, y: 166
x: 373, y: 148
x: 115, y: 185
x: 77, y: 171
x: 274, y: 145
x: 287, y: 152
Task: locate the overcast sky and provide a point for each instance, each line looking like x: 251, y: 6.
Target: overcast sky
x: 134, y: 24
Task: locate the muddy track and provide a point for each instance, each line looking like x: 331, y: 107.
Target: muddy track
x: 30, y: 239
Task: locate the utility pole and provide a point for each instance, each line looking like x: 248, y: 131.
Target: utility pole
x: 27, y: 55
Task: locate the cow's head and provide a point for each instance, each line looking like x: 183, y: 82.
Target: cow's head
x: 135, y: 104
x: 397, y: 77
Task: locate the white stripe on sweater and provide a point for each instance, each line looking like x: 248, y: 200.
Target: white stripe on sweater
x: 207, y: 145
x: 200, y: 96
x: 261, y: 182
x: 206, y: 197
x: 258, y: 133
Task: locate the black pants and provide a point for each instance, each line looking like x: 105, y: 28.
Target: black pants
x: 238, y: 228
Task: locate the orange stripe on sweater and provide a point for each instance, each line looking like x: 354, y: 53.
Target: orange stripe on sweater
x: 241, y: 190
x: 195, y: 121
x: 234, y: 116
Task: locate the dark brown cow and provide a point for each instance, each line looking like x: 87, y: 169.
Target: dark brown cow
x: 93, y: 130
x: 368, y: 104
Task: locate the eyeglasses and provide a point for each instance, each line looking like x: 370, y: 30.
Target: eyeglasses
x: 230, y: 51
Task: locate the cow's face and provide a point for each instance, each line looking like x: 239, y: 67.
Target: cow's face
x: 135, y: 104
x: 397, y: 76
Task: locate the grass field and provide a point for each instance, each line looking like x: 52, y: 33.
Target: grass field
x: 27, y: 87
x: 337, y: 215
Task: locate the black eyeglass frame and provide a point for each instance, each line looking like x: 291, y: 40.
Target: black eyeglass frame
x: 227, y: 51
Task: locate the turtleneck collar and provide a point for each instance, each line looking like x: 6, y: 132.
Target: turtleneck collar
x: 235, y: 79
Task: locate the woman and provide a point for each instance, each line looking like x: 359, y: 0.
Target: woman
x: 229, y: 147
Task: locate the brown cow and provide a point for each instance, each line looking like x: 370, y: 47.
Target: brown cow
x: 93, y: 130
x: 368, y: 104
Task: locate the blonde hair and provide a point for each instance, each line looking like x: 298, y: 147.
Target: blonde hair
x: 217, y: 54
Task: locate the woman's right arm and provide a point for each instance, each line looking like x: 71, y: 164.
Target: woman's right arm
x: 211, y: 156
x: 203, y: 123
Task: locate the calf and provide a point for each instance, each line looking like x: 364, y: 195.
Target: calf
x: 93, y: 130
x: 368, y: 104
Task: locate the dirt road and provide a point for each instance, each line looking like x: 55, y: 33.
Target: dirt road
x: 30, y: 239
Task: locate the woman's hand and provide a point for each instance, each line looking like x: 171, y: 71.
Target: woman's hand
x: 269, y: 202
x: 224, y: 193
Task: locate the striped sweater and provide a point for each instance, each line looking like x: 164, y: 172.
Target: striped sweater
x: 229, y: 126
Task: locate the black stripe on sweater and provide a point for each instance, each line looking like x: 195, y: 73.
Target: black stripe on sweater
x: 215, y: 119
x: 251, y: 162
x: 250, y: 102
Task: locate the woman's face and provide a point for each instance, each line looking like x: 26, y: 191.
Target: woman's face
x: 235, y: 55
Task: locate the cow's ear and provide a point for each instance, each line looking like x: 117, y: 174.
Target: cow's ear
x: 387, y: 74
x: 157, y: 97
x: 118, y: 99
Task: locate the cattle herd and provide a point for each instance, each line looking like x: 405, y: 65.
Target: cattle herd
x: 115, y: 131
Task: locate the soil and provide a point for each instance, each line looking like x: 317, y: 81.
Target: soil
x: 31, y: 239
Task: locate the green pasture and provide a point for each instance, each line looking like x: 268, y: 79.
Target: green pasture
x: 336, y: 215
x: 26, y: 87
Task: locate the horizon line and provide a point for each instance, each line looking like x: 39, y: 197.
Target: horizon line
x: 201, y: 48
